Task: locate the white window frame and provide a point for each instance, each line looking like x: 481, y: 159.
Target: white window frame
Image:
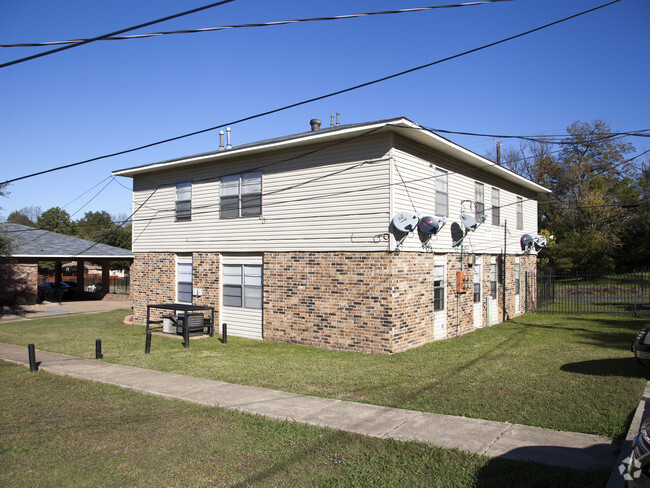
x: 184, y: 269
x: 520, y: 213
x: 442, y: 192
x: 494, y: 279
x: 439, y: 300
x: 517, y: 276
x: 243, y: 282
x: 496, y: 206
x: 477, y: 283
x: 479, y: 201
x: 243, y: 190
x: 183, y: 201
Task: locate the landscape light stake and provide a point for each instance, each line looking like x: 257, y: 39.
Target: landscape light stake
x: 147, y: 344
x: 98, y: 349
x: 33, y: 367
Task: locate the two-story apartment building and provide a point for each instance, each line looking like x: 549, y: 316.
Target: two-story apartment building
x: 291, y: 238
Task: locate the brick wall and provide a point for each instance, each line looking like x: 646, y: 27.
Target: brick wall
x: 18, y: 283
x: 153, y: 280
x: 367, y: 302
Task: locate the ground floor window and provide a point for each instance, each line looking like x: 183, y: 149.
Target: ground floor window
x: 517, y: 276
x: 242, y: 285
x: 438, y: 288
x: 477, y: 283
x: 493, y: 280
x: 184, y: 279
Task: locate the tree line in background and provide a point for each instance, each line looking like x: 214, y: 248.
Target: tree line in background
x: 599, y: 210
x: 93, y: 226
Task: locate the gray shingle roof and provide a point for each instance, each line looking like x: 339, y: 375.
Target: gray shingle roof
x: 29, y: 242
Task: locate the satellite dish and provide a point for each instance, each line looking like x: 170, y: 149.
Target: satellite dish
x: 468, y: 222
x: 526, y: 242
x: 405, y: 222
x: 539, y: 240
x: 457, y: 234
x: 430, y: 225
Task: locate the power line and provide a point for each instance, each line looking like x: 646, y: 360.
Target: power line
x: 262, y: 24
x: 321, y: 97
x: 121, y: 31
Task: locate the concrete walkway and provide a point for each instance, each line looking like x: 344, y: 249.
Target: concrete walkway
x: 53, y: 309
x: 488, y: 438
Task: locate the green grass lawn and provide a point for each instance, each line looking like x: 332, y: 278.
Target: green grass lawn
x: 566, y: 373
x: 62, y: 432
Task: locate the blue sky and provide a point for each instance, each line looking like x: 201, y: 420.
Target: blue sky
x: 113, y: 95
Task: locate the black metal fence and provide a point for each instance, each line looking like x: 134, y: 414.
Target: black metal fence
x: 588, y: 293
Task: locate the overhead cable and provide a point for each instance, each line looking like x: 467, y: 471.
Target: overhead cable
x: 311, y: 100
x: 121, y: 31
x: 261, y: 24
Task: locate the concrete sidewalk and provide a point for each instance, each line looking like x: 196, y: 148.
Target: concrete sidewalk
x: 488, y: 438
x: 52, y: 309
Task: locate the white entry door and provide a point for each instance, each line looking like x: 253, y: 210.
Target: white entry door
x: 478, y: 292
x: 493, y: 303
x: 439, y: 302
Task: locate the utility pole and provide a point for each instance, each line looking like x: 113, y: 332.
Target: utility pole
x: 505, y: 256
x: 499, y: 153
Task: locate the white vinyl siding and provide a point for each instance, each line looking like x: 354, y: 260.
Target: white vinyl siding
x: 334, y: 199
x: 341, y: 198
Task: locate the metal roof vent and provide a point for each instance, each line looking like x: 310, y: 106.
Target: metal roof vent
x: 315, y: 124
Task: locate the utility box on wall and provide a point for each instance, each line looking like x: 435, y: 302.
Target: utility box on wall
x: 463, y: 282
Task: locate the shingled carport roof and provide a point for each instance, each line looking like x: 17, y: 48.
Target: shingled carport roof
x: 38, y: 244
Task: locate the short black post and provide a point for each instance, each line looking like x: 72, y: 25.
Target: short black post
x: 98, y: 349
x: 147, y: 344
x: 31, y: 352
x: 224, y: 333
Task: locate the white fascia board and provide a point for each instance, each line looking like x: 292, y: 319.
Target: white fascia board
x: 308, y: 138
x: 402, y: 125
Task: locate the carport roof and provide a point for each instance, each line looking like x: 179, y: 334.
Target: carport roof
x: 32, y: 243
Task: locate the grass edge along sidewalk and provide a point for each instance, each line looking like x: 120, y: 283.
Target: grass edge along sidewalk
x: 41, y: 439
x: 572, y: 374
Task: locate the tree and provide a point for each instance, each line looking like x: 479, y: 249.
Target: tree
x: 57, y: 220
x: 25, y: 216
x: 591, y: 180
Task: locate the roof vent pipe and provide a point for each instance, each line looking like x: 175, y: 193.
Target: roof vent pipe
x: 315, y: 124
x: 338, y: 122
x: 332, y: 121
x: 228, y: 145
x: 220, y: 140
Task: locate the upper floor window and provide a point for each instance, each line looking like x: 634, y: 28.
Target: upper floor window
x: 442, y: 193
x: 241, y: 195
x: 479, y: 200
x: 520, y: 213
x: 496, y: 207
x: 184, y: 201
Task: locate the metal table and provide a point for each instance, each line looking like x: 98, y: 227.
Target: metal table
x: 183, y: 307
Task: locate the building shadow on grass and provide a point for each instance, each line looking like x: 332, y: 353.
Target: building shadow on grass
x: 518, y: 468
x: 625, y: 367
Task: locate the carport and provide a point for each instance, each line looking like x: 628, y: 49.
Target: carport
x: 31, y: 246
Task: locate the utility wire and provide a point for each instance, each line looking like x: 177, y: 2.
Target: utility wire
x: 262, y: 24
x: 121, y: 31
x: 321, y: 97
